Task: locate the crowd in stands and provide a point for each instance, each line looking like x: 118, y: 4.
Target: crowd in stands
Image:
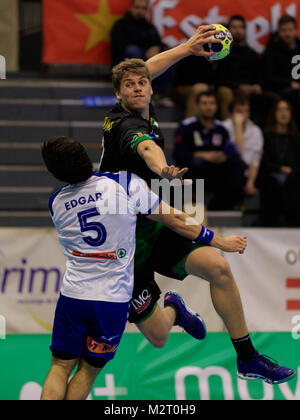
x: 240, y: 116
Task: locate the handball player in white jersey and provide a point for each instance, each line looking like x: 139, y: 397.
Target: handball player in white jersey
x: 95, y: 217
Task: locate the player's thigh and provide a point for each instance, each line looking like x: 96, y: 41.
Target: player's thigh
x: 170, y: 253
x: 63, y: 366
x: 86, y: 370
x: 208, y: 264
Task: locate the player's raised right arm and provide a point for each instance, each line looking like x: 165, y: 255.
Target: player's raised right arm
x: 194, y: 45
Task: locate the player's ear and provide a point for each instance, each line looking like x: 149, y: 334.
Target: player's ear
x: 117, y: 95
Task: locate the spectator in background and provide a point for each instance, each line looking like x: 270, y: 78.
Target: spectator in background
x: 248, y: 138
x: 240, y: 72
x: 202, y: 144
x: 279, y: 173
x: 133, y: 36
x: 282, y: 47
x: 193, y: 76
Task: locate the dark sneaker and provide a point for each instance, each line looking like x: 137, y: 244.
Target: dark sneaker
x: 262, y: 367
x: 191, y: 322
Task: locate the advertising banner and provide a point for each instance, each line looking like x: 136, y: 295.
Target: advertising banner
x: 183, y: 370
x: 79, y: 32
x: 268, y: 277
x: 32, y: 266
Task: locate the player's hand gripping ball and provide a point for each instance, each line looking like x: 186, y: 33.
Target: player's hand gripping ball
x: 221, y: 50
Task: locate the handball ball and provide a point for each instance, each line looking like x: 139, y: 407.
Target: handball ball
x: 223, y: 49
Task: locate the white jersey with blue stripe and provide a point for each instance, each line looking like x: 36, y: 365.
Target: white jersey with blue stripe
x: 96, y: 222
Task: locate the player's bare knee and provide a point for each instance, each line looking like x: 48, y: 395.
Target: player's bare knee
x: 159, y: 343
x: 62, y: 367
x: 85, y: 368
x: 221, y: 272
x: 159, y: 337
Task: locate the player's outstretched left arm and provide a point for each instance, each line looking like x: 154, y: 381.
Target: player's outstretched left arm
x: 155, y: 159
x: 188, y: 227
x: 194, y: 45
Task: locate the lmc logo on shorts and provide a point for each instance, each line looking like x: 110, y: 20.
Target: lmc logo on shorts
x: 142, y: 302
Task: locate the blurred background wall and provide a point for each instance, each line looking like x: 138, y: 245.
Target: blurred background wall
x: 9, y: 33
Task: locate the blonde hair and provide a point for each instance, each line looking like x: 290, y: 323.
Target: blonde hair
x: 132, y: 65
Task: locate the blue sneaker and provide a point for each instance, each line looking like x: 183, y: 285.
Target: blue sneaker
x: 191, y: 322
x: 261, y: 367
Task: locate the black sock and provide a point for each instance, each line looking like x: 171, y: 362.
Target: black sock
x: 244, y: 348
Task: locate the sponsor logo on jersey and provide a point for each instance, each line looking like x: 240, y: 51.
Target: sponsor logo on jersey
x: 139, y: 136
x: 153, y: 122
x: 107, y: 125
x: 111, y: 255
x: 121, y: 252
x: 142, y: 301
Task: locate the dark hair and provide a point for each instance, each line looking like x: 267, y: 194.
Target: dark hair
x: 67, y: 160
x: 238, y: 100
x: 271, y: 125
x: 205, y: 93
x: 287, y: 19
x: 237, y: 17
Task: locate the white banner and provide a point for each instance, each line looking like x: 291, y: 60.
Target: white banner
x: 32, y: 265
x: 268, y: 277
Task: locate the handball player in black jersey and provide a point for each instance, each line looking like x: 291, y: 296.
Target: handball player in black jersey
x: 133, y: 142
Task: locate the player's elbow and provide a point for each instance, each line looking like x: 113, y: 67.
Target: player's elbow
x: 145, y: 147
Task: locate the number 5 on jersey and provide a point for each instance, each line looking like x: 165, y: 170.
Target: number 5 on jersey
x: 97, y: 227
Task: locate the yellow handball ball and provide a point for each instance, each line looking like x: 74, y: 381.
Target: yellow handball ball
x: 223, y: 49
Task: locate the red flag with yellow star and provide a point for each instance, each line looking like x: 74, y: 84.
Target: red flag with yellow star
x: 77, y: 31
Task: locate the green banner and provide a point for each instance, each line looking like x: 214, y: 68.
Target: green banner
x: 184, y: 369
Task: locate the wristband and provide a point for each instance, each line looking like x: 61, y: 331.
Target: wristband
x: 206, y: 235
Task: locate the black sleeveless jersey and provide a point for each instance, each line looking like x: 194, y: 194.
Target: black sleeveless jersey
x: 122, y: 132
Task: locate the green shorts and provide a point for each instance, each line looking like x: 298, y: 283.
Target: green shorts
x: 168, y: 257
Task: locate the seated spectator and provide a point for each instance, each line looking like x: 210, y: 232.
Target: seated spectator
x: 133, y: 36
x: 193, y: 75
x: 280, y: 167
x: 282, y: 47
x: 240, y: 72
x: 248, y: 138
x: 202, y: 144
